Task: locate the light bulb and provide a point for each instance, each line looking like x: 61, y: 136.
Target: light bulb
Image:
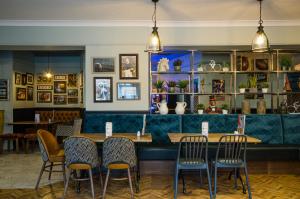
x: 48, y: 75
x: 260, y: 42
x: 154, y: 44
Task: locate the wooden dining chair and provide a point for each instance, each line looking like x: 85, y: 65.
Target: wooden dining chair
x: 231, y: 154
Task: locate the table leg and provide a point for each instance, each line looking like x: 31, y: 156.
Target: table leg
x: 138, y: 172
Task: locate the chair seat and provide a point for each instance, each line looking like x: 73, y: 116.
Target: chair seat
x: 190, y: 164
x: 118, y: 166
x: 59, y: 157
x: 229, y: 163
x: 80, y: 166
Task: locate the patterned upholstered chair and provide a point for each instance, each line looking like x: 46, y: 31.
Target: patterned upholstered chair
x: 81, y: 154
x: 118, y: 154
x: 51, y: 153
x: 69, y: 130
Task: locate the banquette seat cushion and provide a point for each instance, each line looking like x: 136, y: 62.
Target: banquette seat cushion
x: 64, y: 116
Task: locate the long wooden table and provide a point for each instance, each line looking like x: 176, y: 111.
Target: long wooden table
x: 212, y: 137
x: 100, y: 137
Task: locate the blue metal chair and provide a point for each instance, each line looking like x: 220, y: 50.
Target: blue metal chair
x: 192, y: 155
x: 231, y: 154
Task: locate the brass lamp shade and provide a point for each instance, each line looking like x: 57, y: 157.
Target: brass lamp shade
x: 260, y: 42
x: 154, y: 44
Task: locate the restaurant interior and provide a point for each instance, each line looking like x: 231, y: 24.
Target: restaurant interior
x: 150, y: 99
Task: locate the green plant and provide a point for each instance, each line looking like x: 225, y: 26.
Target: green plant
x: 265, y: 85
x: 252, y: 81
x: 171, y: 84
x: 177, y: 62
x: 183, y: 83
x: 224, y: 106
x: 226, y: 64
x: 242, y: 85
x: 200, y: 107
x: 286, y: 61
x: 159, y: 84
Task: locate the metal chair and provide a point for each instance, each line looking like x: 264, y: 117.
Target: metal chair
x: 51, y: 153
x: 231, y: 154
x: 81, y: 154
x: 69, y: 130
x: 118, y: 154
x: 192, y: 155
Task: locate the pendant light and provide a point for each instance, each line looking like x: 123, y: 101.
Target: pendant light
x: 260, y: 42
x: 154, y: 44
x: 48, y: 73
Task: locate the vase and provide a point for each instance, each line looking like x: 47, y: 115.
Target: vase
x: 171, y: 89
x: 264, y: 90
x: 180, y: 108
x: 246, y: 107
x: 200, y: 111
x: 261, y: 106
x: 242, y: 90
x: 200, y: 69
x: 163, y: 108
x: 224, y: 111
x: 245, y: 63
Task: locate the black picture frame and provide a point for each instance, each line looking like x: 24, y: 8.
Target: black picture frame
x: 29, y: 93
x: 103, y: 89
x: 24, y: 79
x: 44, y: 96
x: 4, y: 89
x: 103, y: 65
x: 29, y: 78
x: 20, y: 94
x: 129, y: 66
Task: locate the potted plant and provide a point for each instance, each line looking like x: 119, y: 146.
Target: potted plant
x: 171, y: 85
x: 201, y: 67
x: 182, y: 84
x: 242, y: 87
x: 224, y: 108
x: 252, y: 83
x: 225, y: 66
x: 200, y: 108
x: 264, y: 87
x: 158, y: 85
x: 285, y: 62
x: 177, y: 65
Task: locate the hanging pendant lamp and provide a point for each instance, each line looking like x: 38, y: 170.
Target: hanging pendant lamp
x: 48, y: 73
x: 260, y: 42
x: 154, y: 44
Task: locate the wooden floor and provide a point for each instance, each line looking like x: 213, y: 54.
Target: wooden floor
x: 263, y: 186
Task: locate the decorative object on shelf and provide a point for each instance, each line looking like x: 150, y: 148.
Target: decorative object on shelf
x: 162, y: 107
x: 246, y: 109
x: 177, y: 65
x: 242, y: 88
x: 128, y: 91
x: 245, y: 63
x: 261, y: 64
x: 265, y: 87
x: 129, y: 66
x: 282, y: 109
x: 287, y: 85
x: 72, y: 80
x: 294, y: 108
x: 212, y: 109
x: 20, y: 94
x: 260, y: 42
x: 159, y: 85
x: 212, y: 66
x: 29, y: 93
x: 103, y: 64
x: 163, y: 65
x: 4, y: 89
x: 285, y: 62
x: 261, y: 106
x: 200, y: 67
x: 154, y: 44
x: 252, y: 83
x: 200, y: 108
x: 180, y: 108
x: 103, y: 89
x: 172, y: 86
x: 225, y: 108
x: 60, y: 87
x: 60, y: 99
x: 297, y: 67
x: 44, y: 96
x: 182, y: 84
x: 218, y: 86
x: 29, y: 78
x: 226, y: 66
x: 202, y: 86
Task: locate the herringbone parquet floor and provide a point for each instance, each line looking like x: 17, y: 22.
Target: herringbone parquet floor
x: 160, y: 187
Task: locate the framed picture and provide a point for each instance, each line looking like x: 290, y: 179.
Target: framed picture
x: 104, y: 64
x: 72, y: 80
x: 73, y: 92
x: 128, y: 66
x: 29, y: 93
x: 60, y: 77
x: 261, y: 64
x: 18, y: 78
x: 218, y: 86
x: 128, y: 91
x: 60, y: 87
x: 4, y: 88
x: 29, y: 78
x: 73, y: 100
x: 44, y: 87
x: 60, y: 99
x: 44, y: 96
x: 24, y: 79
x: 20, y: 94
x: 103, y: 90
x: 41, y: 79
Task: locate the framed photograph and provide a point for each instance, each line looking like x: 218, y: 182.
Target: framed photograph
x: 128, y: 91
x: 29, y: 78
x: 60, y: 77
x: 29, y: 93
x: 104, y: 64
x: 128, y: 66
x: 103, y: 90
x: 24, y: 79
x: 4, y: 88
x: 218, y: 86
x: 261, y: 64
x: 44, y: 96
x: 72, y: 80
x: 60, y: 99
x: 73, y: 92
x: 20, y: 94
x: 44, y: 87
x: 41, y: 79
x: 60, y: 87
x: 18, y: 78
x: 72, y: 100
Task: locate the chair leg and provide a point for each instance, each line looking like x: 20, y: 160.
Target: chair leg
x: 183, y: 182
x: 176, y: 183
x: 50, y: 172
x: 130, y: 183
x: 235, y: 178
x: 64, y: 172
x: 17, y: 145
x: 100, y: 176
x: 92, y: 184
x: 248, y: 184
x: 209, y: 183
x: 215, y: 181
x: 105, y: 184
x: 136, y: 181
x: 40, y: 176
x: 67, y: 182
x: 201, y: 182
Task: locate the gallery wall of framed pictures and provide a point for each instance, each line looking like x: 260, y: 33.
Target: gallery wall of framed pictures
x: 24, y: 89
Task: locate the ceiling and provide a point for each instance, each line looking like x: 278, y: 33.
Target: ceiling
x: 141, y: 10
